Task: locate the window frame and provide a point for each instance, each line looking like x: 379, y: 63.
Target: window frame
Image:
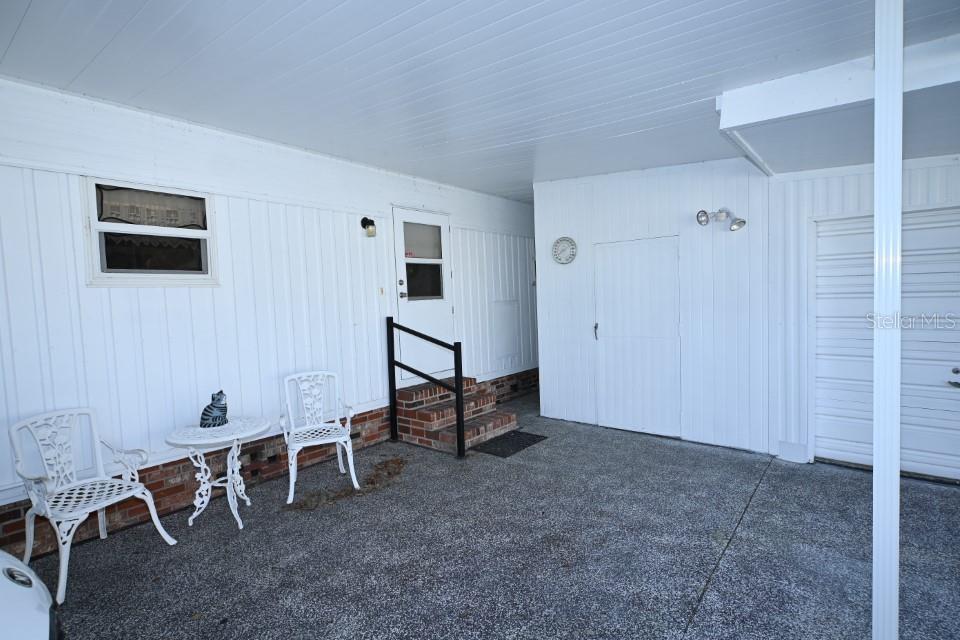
x: 440, y: 262
x: 93, y: 228
x: 436, y: 262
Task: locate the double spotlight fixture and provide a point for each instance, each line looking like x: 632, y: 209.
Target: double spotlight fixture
x: 720, y: 215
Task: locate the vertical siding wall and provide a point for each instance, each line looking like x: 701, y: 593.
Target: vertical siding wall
x: 301, y: 287
x: 747, y: 301
x: 796, y: 201
x: 723, y: 291
x: 497, y: 304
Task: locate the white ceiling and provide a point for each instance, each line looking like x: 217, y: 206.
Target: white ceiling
x: 485, y: 94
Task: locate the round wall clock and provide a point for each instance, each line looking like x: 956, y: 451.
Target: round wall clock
x: 564, y: 250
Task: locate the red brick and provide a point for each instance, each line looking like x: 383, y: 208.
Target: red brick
x: 13, y: 526
x: 12, y: 514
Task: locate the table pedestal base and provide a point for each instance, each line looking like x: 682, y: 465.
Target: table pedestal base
x: 232, y: 482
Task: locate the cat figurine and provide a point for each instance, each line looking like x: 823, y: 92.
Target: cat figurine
x: 215, y: 413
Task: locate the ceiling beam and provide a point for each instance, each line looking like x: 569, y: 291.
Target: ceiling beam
x: 929, y: 64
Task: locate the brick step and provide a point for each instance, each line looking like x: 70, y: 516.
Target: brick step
x: 444, y: 414
x: 476, y: 430
x: 427, y: 393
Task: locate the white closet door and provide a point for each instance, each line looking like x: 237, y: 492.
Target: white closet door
x: 638, y: 335
x: 930, y: 418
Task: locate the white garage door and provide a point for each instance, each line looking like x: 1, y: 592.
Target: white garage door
x: 931, y: 341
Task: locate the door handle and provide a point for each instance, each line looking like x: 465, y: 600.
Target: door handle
x: 403, y: 294
x: 596, y: 325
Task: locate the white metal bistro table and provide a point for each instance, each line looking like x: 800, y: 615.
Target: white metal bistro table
x: 195, y: 440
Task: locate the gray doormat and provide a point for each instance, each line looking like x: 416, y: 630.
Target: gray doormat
x: 509, y: 443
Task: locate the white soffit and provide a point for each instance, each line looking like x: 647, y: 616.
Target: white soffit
x: 824, y: 118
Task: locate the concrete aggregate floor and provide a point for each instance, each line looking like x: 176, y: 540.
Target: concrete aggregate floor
x: 592, y: 533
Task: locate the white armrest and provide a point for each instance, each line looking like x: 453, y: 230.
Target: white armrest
x: 26, y: 478
x: 349, y: 411
x: 129, y: 459
x: 36, y: 489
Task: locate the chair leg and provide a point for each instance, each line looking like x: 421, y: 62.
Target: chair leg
x: 292, y: 469
x: 102, y: 522
x: 147, y: 497
x: 348, y: 446
x: 65, y: 530
x: 29, y: 520
x: 340, y: 457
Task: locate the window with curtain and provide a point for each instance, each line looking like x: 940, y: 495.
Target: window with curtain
x: 142, y: 235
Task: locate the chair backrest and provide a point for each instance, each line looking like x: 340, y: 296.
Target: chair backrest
x: 55, y: 436
x: 313, y: 398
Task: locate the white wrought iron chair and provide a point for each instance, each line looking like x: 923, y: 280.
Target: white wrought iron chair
x: 56, y: 490
x: 314, y: 408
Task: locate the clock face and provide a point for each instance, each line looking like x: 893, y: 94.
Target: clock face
x: 564, y: 250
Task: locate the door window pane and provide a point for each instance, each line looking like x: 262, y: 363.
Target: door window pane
x: 424, y: 281
x: 421, y: 241
x: 131, y: 252
x: 135, y: 206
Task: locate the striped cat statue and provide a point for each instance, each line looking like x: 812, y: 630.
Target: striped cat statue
x: 215, y: 413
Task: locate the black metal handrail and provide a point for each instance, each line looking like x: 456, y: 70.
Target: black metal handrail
x: 456, y: 387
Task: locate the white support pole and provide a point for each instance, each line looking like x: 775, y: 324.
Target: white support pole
x: 888, y: 211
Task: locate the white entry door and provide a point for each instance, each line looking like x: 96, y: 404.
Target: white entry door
x: 843, y: 400
x: 637, y: 333
x: 424, y: 288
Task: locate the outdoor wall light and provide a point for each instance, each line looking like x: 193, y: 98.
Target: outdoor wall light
x: 720, y: 215
x: 369, y: 226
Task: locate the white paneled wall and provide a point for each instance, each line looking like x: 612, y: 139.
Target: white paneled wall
x: 747, y: 305
x: 495, y: 299
x: 723, y: 291
x: 301, y: 287
x: 797, y: 201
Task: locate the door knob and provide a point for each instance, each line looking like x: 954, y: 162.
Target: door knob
x: 956, y: 371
